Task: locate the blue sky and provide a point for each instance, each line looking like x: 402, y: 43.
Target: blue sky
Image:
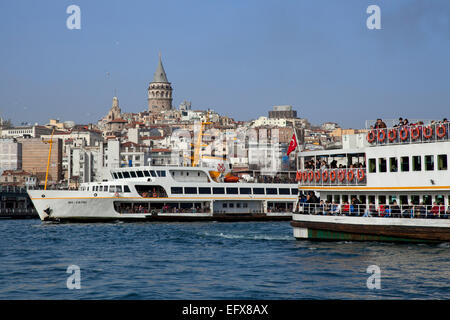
x: 238, y: 57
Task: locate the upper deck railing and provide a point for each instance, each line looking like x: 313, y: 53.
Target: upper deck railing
x: 418, y: 133
x: 332, y: 177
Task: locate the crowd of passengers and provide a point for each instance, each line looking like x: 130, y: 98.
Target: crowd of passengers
x: 322, y: 165
x: 165, y: 209
x: 380, y: 124
x: 313, y: 205
x: 275, y: 179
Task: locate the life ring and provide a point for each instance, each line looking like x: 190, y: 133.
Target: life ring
x: 392, y: 137
x: 440, y: 133
x: 341, y: 175
x: 116, y: 194
x: 403, y: 137
x: 305, y: 176
x: 360, y: 174
x: 371, y: 136
x: 324, y: 175
x: 350, y: 175
x: 333, y: 176
x: 298, y: 176
x: 427, y: 132
x: 381, y: 132
x: 415, y: 133
x: 311, y: 176
x: 317, y: 174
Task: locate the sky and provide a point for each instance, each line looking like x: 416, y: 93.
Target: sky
x: 238, y: 57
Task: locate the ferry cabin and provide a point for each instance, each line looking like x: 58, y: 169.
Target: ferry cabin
x: 189, y: 190
x: 403, y: 166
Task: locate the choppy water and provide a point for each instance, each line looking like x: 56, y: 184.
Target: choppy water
x: 209, y: 261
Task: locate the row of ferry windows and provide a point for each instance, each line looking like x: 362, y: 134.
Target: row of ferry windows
x: 107, y: 188
x: 382, y: 199
x: 138, y: 174
x: 233, y: 190
x: 416, y: 163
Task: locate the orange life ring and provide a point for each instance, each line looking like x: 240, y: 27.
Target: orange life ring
x: 333, y: 176
x: 384, y: 135
x: 361, y: 174
x: 341, y: 175
x: 311, y: 175
x: 392, y: 138
x: 350, y: 175
x: 438, y: 131
x: 415, y: 133
x: 317, y: 174
x: 371, y: 136
x: 405, y: 136
x: 298, y: 175
x: 427, y: 132
x: 324, y: 175
x: 305, y: 176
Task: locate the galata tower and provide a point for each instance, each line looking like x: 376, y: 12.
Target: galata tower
x: 159, y: 91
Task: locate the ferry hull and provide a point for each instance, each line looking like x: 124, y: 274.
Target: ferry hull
x: 370, y: 229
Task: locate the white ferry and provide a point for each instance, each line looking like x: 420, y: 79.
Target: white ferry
x: 390, y: 184
x: 169, y: 193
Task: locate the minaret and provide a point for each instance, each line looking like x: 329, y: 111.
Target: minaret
x: 159, y: 91
x: 114, y: 112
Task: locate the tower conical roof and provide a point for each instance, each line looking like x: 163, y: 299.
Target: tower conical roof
x: 160, y: 74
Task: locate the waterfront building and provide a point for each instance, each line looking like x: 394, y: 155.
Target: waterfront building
x: 10, y: 154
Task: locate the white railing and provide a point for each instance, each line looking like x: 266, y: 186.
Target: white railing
x: 370, y: 210
x: 409, y: 134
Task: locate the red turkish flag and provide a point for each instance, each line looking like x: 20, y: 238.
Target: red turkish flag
x: 292, y: 145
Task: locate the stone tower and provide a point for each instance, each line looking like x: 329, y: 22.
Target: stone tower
x: 159, y: 91
x: 115, y: 112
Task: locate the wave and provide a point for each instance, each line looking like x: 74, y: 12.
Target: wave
x: 249, y: 237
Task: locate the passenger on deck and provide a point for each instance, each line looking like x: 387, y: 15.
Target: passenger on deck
x: 434, y: 211
x: 395, y: 210
x: 336, y: 208
x: 380, y: 124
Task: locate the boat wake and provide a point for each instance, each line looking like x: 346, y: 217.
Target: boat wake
x: 250, y: 237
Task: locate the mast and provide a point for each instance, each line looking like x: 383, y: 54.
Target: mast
x: 48, y: 160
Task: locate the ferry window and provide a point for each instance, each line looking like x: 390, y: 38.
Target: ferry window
x: 258, y: 191
x: 224, y: 205
x: 403, y: 200
x: 140, y: 174
x: 344, y: 198
x: 126, y: 189
x: 393, y: 164
x: 294, y: 191
x: 114, y: 175
x: 284, y: 191
x: 153, y: 173
x: 416, y: 163
x: 146, y: 173
x: 427, y: 200
x: 245, y: 205
x: 190, y: 190
x: 429, y: 163
x: 100, y: 188
x: 133, y: 174
x: 381, y: 199
x: 372, y: 165
x: 404, y: 163
x: 442, y: 161
x: 329, y: 197
x: 176, y: 190
x: 245, y: 191
x: 382, y: 165
x: 126, y: 174
x: 371, y: 199
x: 439, y: 199
x: 105, y: 188
x: 238, y: 205
x: 392, y: 199
x: 162, y: 173
x: 218, y: 190
x: 232, y: 190
x: 118, y: 188
x: 87, y: 189
x: 203, y: 190
x: 119, y: 174
x: 362, y: 199
x: 231, y: 205
x: 337, y: 198
x: 271, y: 191
x: 415, y: 199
